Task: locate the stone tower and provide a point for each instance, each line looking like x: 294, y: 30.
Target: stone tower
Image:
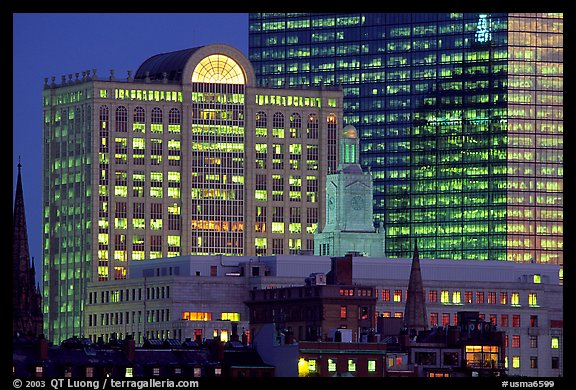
x: 349, y: 202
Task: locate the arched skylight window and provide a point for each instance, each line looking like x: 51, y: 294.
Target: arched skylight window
x: 218, y: 68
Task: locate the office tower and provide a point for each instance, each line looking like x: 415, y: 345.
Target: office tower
x: 460, y: 119
x: 185, y: 156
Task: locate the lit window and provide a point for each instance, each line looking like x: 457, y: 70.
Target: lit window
x: 312, y: 365
x: 537, y: 279
x: 351, y: 365
x: 397, y: 295
x: 444, y: 296
x: 515, y: 361
x: 555, y: 343
x: 371, y: 365
x: 331, y: 365
x: 129, y: 372
x: 532, y: 299
x: 230, y: 316
x: 515, y: 299
x: 456, y: 297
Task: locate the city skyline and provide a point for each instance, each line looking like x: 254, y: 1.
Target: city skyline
x: 136, y: 37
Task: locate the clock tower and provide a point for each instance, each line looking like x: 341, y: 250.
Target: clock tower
x: 349, y: 218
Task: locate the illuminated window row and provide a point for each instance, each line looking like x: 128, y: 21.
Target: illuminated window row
x: 145, y: 95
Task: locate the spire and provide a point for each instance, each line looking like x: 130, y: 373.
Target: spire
x: 20, y: 249
x: 415, y: 317
x: 26, y: 298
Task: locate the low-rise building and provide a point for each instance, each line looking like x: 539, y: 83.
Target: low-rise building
x: 522, y: 299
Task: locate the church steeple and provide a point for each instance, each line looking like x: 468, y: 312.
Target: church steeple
x: 20, y: 250
x: 415, y: 317
x: 26, y: 298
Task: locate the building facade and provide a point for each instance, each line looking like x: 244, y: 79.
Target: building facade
x: 460, y: 119
x: 523, y: 300
x: 185, y: 156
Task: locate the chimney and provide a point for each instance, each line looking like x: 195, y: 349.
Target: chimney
x: 130, y: 348
x: 340, y: 271
x: 42, y: 347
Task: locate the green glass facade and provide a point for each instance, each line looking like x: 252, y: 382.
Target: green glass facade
x: 67, y: 206
x: 460, y: 120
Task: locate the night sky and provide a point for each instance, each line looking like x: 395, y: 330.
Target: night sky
x: 56, y: 44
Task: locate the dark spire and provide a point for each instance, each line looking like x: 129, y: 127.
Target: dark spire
x: 26, y: 298
x: 415, y: 317
x: 20, y: 249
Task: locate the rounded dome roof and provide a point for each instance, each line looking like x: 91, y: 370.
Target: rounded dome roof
x: 172, y: 63
x: 349, y: 131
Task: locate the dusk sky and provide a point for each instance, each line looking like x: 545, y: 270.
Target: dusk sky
x: 56, y: 44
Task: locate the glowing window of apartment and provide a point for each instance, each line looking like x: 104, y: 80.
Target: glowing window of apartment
x: 468, y: 296
x: 445, y: 319
x: 386, y: 295
x: 343, y: 312
x: 533, y: 299
x: 515, y: 299
x: 445, y: 296
x: 537, y: 279
x: 398, y: 314
x: 397, y: 295
x: 371, y: 365
x: 129, y: 372
x: 351, y: 365
x: 503, y: 298
x: 456, y: 298
x: 515, y: 361
x: 555, y: 343
x: 312, y: 365
x: 220, y: 69
x: 433, y: 296
x: 230, y: 317
x: 331, y: 365
x: 479, y: 297
x: 491, y: 297
x: 196, y: 316
x: 515, y: 341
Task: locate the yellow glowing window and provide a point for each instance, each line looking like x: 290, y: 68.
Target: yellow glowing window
x: 197, y: 316
x: 537, y: 279
x: 456, y: 298
x: 173, y: 240
x: 312, y: 365
x: 444, y: 296
x: 331, y: 365
x: 351, y: 365
x: 277, y: 227
x: 230, y: 317
x: 218, y: 68
x: 515, y: 361
x: 532, y: 299
x: 371, y: 365
x: 555, y: 343
x: 515, y: 299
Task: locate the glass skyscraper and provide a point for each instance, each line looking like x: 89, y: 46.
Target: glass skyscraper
x: 460, y: 118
